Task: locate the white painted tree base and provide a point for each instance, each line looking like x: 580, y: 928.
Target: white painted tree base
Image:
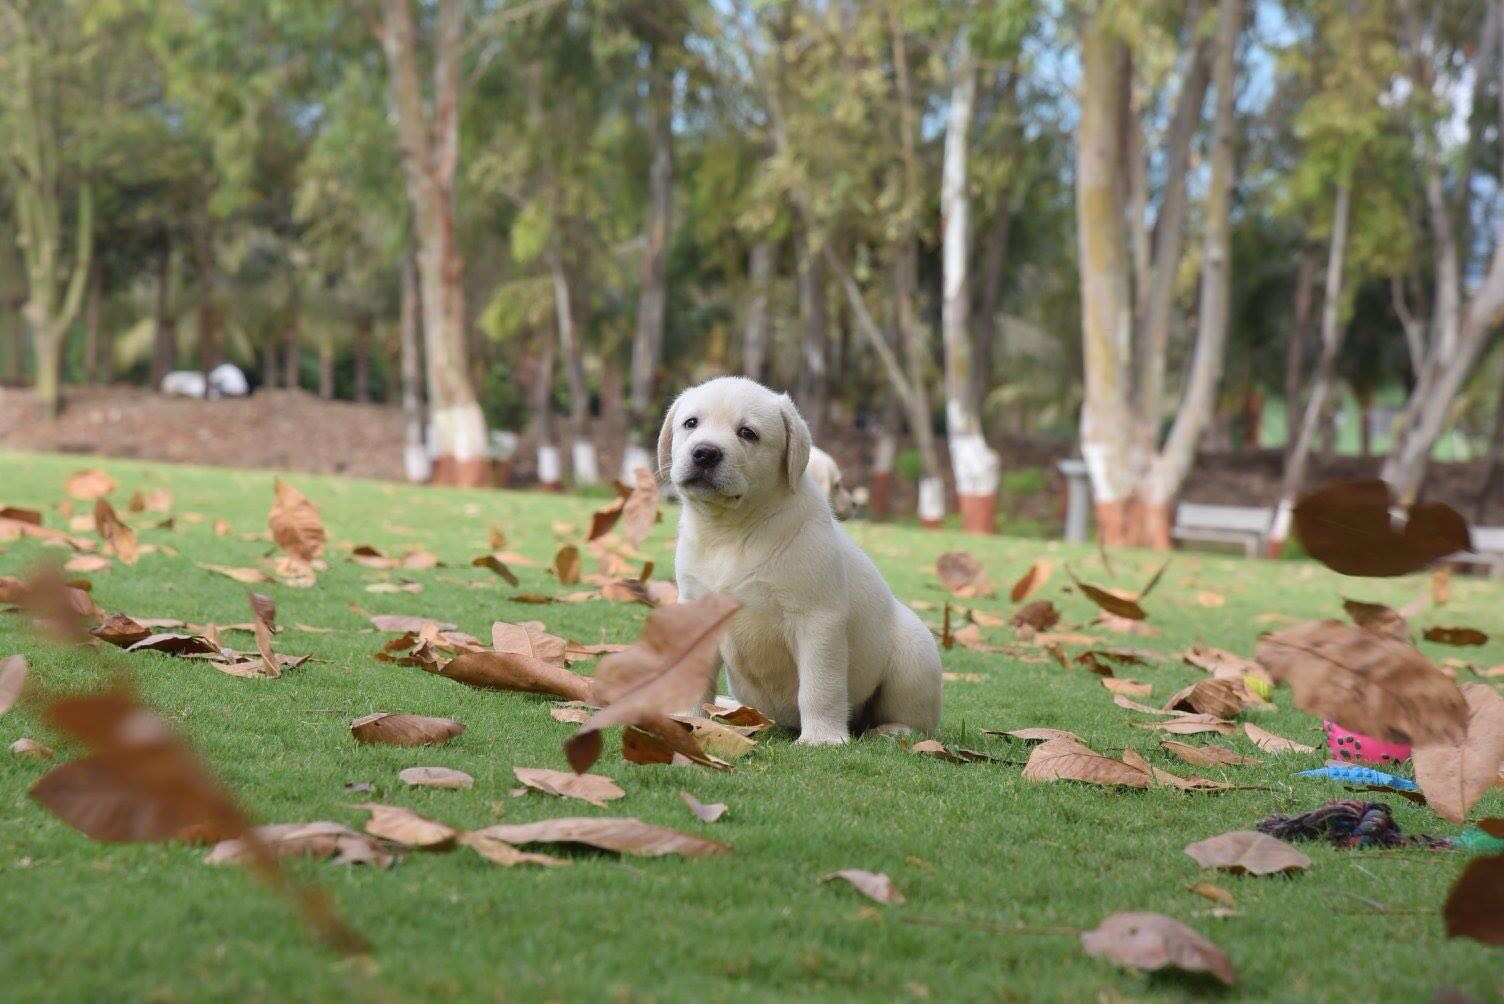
x: 587, y: 470
x: 458, y: 431
x: 931, y: 500
x: 977, y: 468
x: 632, y: 459
x: 416, y: 464
x: 550, y: 465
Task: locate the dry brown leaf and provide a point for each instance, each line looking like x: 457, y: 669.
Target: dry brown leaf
x: 1128, y: 704
x: 31, y: 749
x: 1347, y: 526
x: 1218, y: 698
x: 1032, y: 618
x: 1127, y: 687
x: 511, y: 671
x: 1454, y: 776
x: 640, y: 510
x: 1037, y: 575
x: 574, y: 713
x: 175, y: 644
x: 1206, y: 599
x: 659, y: 739
x: 624, y: 835
x: 1152, y: 941
x: 502, y: 853
x: 395, y: 587
x: 1441, y: 586
x: 1033, y: 735
x: 90, y: 484
x: 704, y: 813
x: 21, y: 515
x: 323, y: 840
x: 962, y: 574
x: 1377, y: 617
x: 1215, y: 893
x: 1068, y: 760
x: 87, y: 563
x: 1366, y: 682
x: 405, y: 730
x: 13, y: 672
x: 716, y: 739
x: 295, y: 523
x: 741, y: 716
x: 436, y: 777
x: 1224, y: 665
x: 498, y: 566
x: 873, y: 885
x: 222, y: 528
x: 120, y: 540
x: 592, y: 788
x: 406, y: 827
x: 1472, y: 907
x: 530, y: 639
x: 1209, y: 756
x: 1247, y: 852
x: 248, y: 576
x: 1133, y: 758
x: 1112, y: 603
x: 1271, y: 743
x: 401, y: 623
x: 669, y: 667
x: 1457, y: 636
x: 602, y: 520
x: 567, y: 565
x: 1190, y: 725
x: 155, y: 500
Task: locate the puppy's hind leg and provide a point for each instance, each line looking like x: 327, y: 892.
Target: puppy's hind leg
x: 910, y: 692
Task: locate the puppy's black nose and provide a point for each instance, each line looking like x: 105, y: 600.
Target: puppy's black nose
x: 706, y: 456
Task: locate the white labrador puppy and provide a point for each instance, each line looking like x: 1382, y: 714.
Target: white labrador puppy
x: 827, y: 477
x: 820, y: 643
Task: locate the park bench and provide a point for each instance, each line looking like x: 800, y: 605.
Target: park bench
x: 1240, y: 525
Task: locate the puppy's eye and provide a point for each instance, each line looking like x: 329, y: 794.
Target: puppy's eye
x: 690, y: 423
x: 747, y: 434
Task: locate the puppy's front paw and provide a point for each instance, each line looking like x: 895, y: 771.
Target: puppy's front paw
x: 812, y: 736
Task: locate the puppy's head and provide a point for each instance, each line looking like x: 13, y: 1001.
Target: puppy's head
x: 731, y: 441
x: 824, y: 471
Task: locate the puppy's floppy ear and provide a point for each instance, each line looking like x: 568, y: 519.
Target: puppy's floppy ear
x: 796, y: 442
x: 666, y: 441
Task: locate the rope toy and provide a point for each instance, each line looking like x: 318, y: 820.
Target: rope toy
x: 1348, y: 823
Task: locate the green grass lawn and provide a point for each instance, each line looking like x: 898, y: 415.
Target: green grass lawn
x: 974, y: 848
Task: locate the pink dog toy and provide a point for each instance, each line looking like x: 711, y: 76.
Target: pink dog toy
x: 1351, y: 746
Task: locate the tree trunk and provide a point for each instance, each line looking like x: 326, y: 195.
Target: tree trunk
x: 1173, y: 463
x: 652, y: 300
x: 209, y: 352
x: 973, y: 462
x: 1298, y: 459
x: 1495, y: 455
x: 1107, y: 422
x: 326, y: 367
x: 415, y: 457
x: 428, y: 138
x: 586, y: 468
x: 814, y: 326
x: 550, y: 466
x: 756, y: 337
x: 92, y: 319
x: 362, y: 351
x: 270, y: 370
x: 1365, y: 420
x: 164, y: 347
x: 292, y: 348
x: 1295, y: 348
x: 989, y: 301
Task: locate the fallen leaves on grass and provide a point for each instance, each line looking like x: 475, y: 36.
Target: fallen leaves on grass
x: 1209, y: 756
x: 742, y: 716
x: 1215, y: 893
x: 1378, y: 617
x: 592, y: 788
x: 1111, y: 602
x: 1218, y: 698
x: 659, y: 739
x: 295, y: 523
x: 1247, y: 852
x: 405, y: 730
x: 120, y: 540
x: 402, y: 624
x: 513, y: 671
x: 21, y: 515
x: 1222, y: 664
x: 1068, y: 760
x: 962, y: 574
x: 1347, y: 526
x: 1038, y: 735
x: 436, y: 777
x: 1454, y: 776
x: 704, y: 813
x: 668, y: 667
x: 623, y: 835
x: 156, y: 500
x: 1190, y: 725
x: 530, y: 639
x: 1152, y: 941
x: 169, y: 643
x: 31, y: 749
x: 247, y: 576
x: 1037, y: 575
x: 1271, y: 743
x: 498, y: 566
x: 1366, y: 682
x: 1032, y: 618
x: 87, y: 563
x: 1127, y: 687
x: 323, y: 840
x: 640, y: 510
x: 874, y: 885
x: 500, y: 852
x: 13, y: 673
x: 91, y: 484
x: 1457, y: 636
x: 1472, y: 907
x: 408, y: 828
x: 567, y: 565
x: 1135, y: 759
